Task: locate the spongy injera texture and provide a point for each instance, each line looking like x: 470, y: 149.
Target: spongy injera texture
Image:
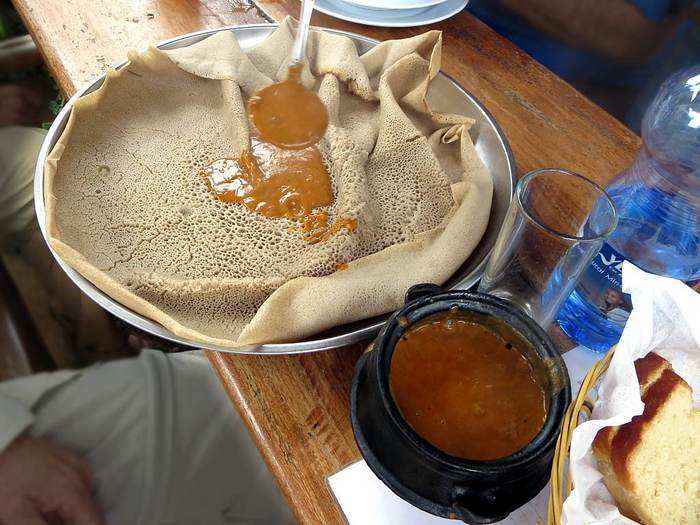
x: 127, y: 209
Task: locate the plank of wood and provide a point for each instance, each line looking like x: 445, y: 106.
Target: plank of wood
x: 80, y: 39
x: 297, y: 406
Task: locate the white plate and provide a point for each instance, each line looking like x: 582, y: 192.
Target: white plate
x: 391, y: 17
x: 394, y: 4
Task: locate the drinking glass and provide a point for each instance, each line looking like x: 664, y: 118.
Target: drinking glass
x: 556, y: 224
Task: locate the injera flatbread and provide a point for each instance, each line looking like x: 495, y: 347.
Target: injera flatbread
x: 127, y: 209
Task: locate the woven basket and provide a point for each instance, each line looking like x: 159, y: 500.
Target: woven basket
x: 560, y: 483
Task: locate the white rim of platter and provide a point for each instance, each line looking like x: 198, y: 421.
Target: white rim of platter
x: 394, y: 4
x: 490, y: 142
x: 391, y: 17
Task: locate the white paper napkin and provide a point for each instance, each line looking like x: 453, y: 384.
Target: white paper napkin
x: 665, y: 319
x: 365, y: 500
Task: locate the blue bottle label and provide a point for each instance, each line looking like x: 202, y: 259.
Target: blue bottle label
x: 602, y: 285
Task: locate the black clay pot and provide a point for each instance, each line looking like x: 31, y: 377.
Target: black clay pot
x: 474, y: 491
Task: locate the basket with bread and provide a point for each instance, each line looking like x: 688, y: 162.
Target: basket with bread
x: 629, y: 450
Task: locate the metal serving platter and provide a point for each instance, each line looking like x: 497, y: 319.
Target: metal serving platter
x: 491, y: 145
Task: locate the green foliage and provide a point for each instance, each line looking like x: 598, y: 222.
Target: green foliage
x: 10, y: 24
x: 57, y: 104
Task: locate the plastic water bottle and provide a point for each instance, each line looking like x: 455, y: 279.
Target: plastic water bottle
x: 658, y: 205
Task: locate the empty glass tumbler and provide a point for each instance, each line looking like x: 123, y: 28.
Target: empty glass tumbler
x: 555, y: 225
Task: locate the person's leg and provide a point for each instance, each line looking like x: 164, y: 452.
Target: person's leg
x: 69, y: 323
x: 19, y: 148
x: 215, y: 458
x: 164, y: 442
x: 103, y: 416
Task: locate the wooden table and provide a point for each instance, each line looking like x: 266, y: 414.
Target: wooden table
x: 297, y: 407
